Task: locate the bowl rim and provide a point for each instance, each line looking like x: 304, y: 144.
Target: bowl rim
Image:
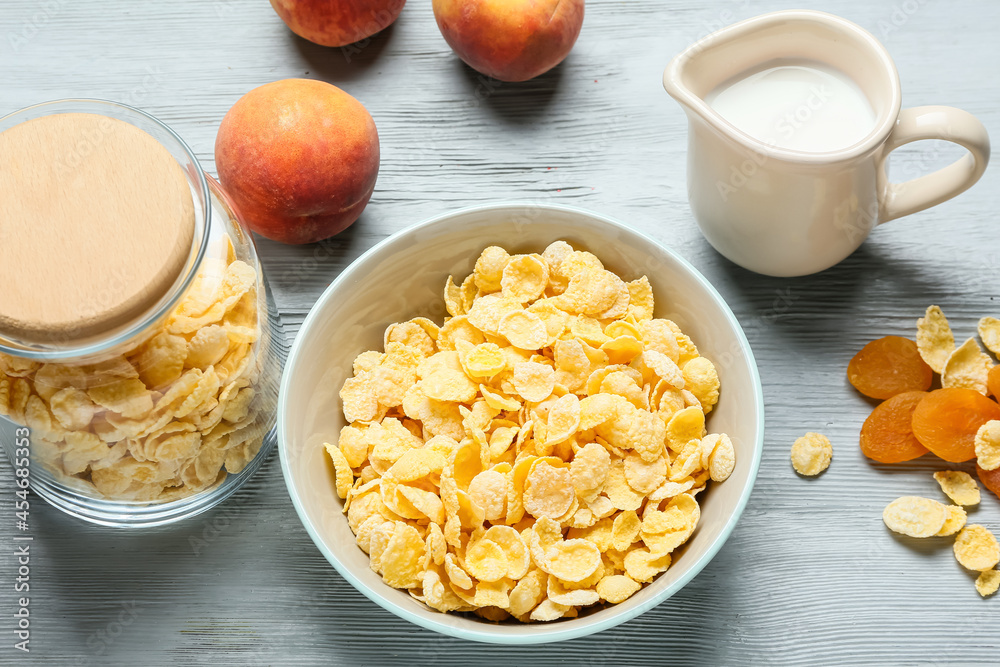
x: 552, y: 632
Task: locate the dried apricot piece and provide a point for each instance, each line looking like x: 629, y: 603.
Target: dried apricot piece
x: 887, y: 434
x: 946, y: 421
x: 889, y: 366
x: 990, y: 479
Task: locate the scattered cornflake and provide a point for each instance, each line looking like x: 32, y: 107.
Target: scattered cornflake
x: 988, y: 445
x: 811, y: 454
x: 989, y: 333
x: 915, y: 516
x: 537, y: 453
x: 935, y: 340
x: 959, y: 486
x: 967, y: 367
x: 988, y: 582
x: 955, y: 521
x: 976, y: 548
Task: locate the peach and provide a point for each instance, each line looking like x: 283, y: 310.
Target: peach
x: 298, y: 158
x: 337, y: 22
x: 510, y: 40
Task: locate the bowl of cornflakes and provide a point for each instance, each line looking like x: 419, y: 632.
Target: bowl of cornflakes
x: 520, y: 423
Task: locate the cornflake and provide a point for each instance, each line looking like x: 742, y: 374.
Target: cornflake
x: 988, y: 445
x: 954, y: 522
x: 976, y: 548
x: 811, y: 454
x: 988, y: 582
x: 537, y: 453
x: 935, y: 341
x: 989, y: 333
x: 967, y: 367
x: 959, y: 486
x: 915, y: 516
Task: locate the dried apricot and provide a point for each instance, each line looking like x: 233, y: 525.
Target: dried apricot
x: 887, y: 434
x: 993, y: 381
x: 889, y: 366
x: 990, y: 479
x: 946, y: 421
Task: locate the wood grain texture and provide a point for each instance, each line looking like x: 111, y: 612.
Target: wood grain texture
x: 810, y: 575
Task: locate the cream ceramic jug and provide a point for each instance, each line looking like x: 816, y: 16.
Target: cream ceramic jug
x: 789, y: 212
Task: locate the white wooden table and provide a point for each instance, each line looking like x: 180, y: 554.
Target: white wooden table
x: 810, y: 576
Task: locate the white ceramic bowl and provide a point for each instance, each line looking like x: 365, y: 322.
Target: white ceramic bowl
x: 403, y: 277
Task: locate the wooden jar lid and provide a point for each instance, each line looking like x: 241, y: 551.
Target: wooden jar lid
x: 96, y: 225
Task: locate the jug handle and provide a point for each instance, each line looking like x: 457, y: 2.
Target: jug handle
x: 932, y: 122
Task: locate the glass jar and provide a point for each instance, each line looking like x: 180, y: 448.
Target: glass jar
x: 167, y: 411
